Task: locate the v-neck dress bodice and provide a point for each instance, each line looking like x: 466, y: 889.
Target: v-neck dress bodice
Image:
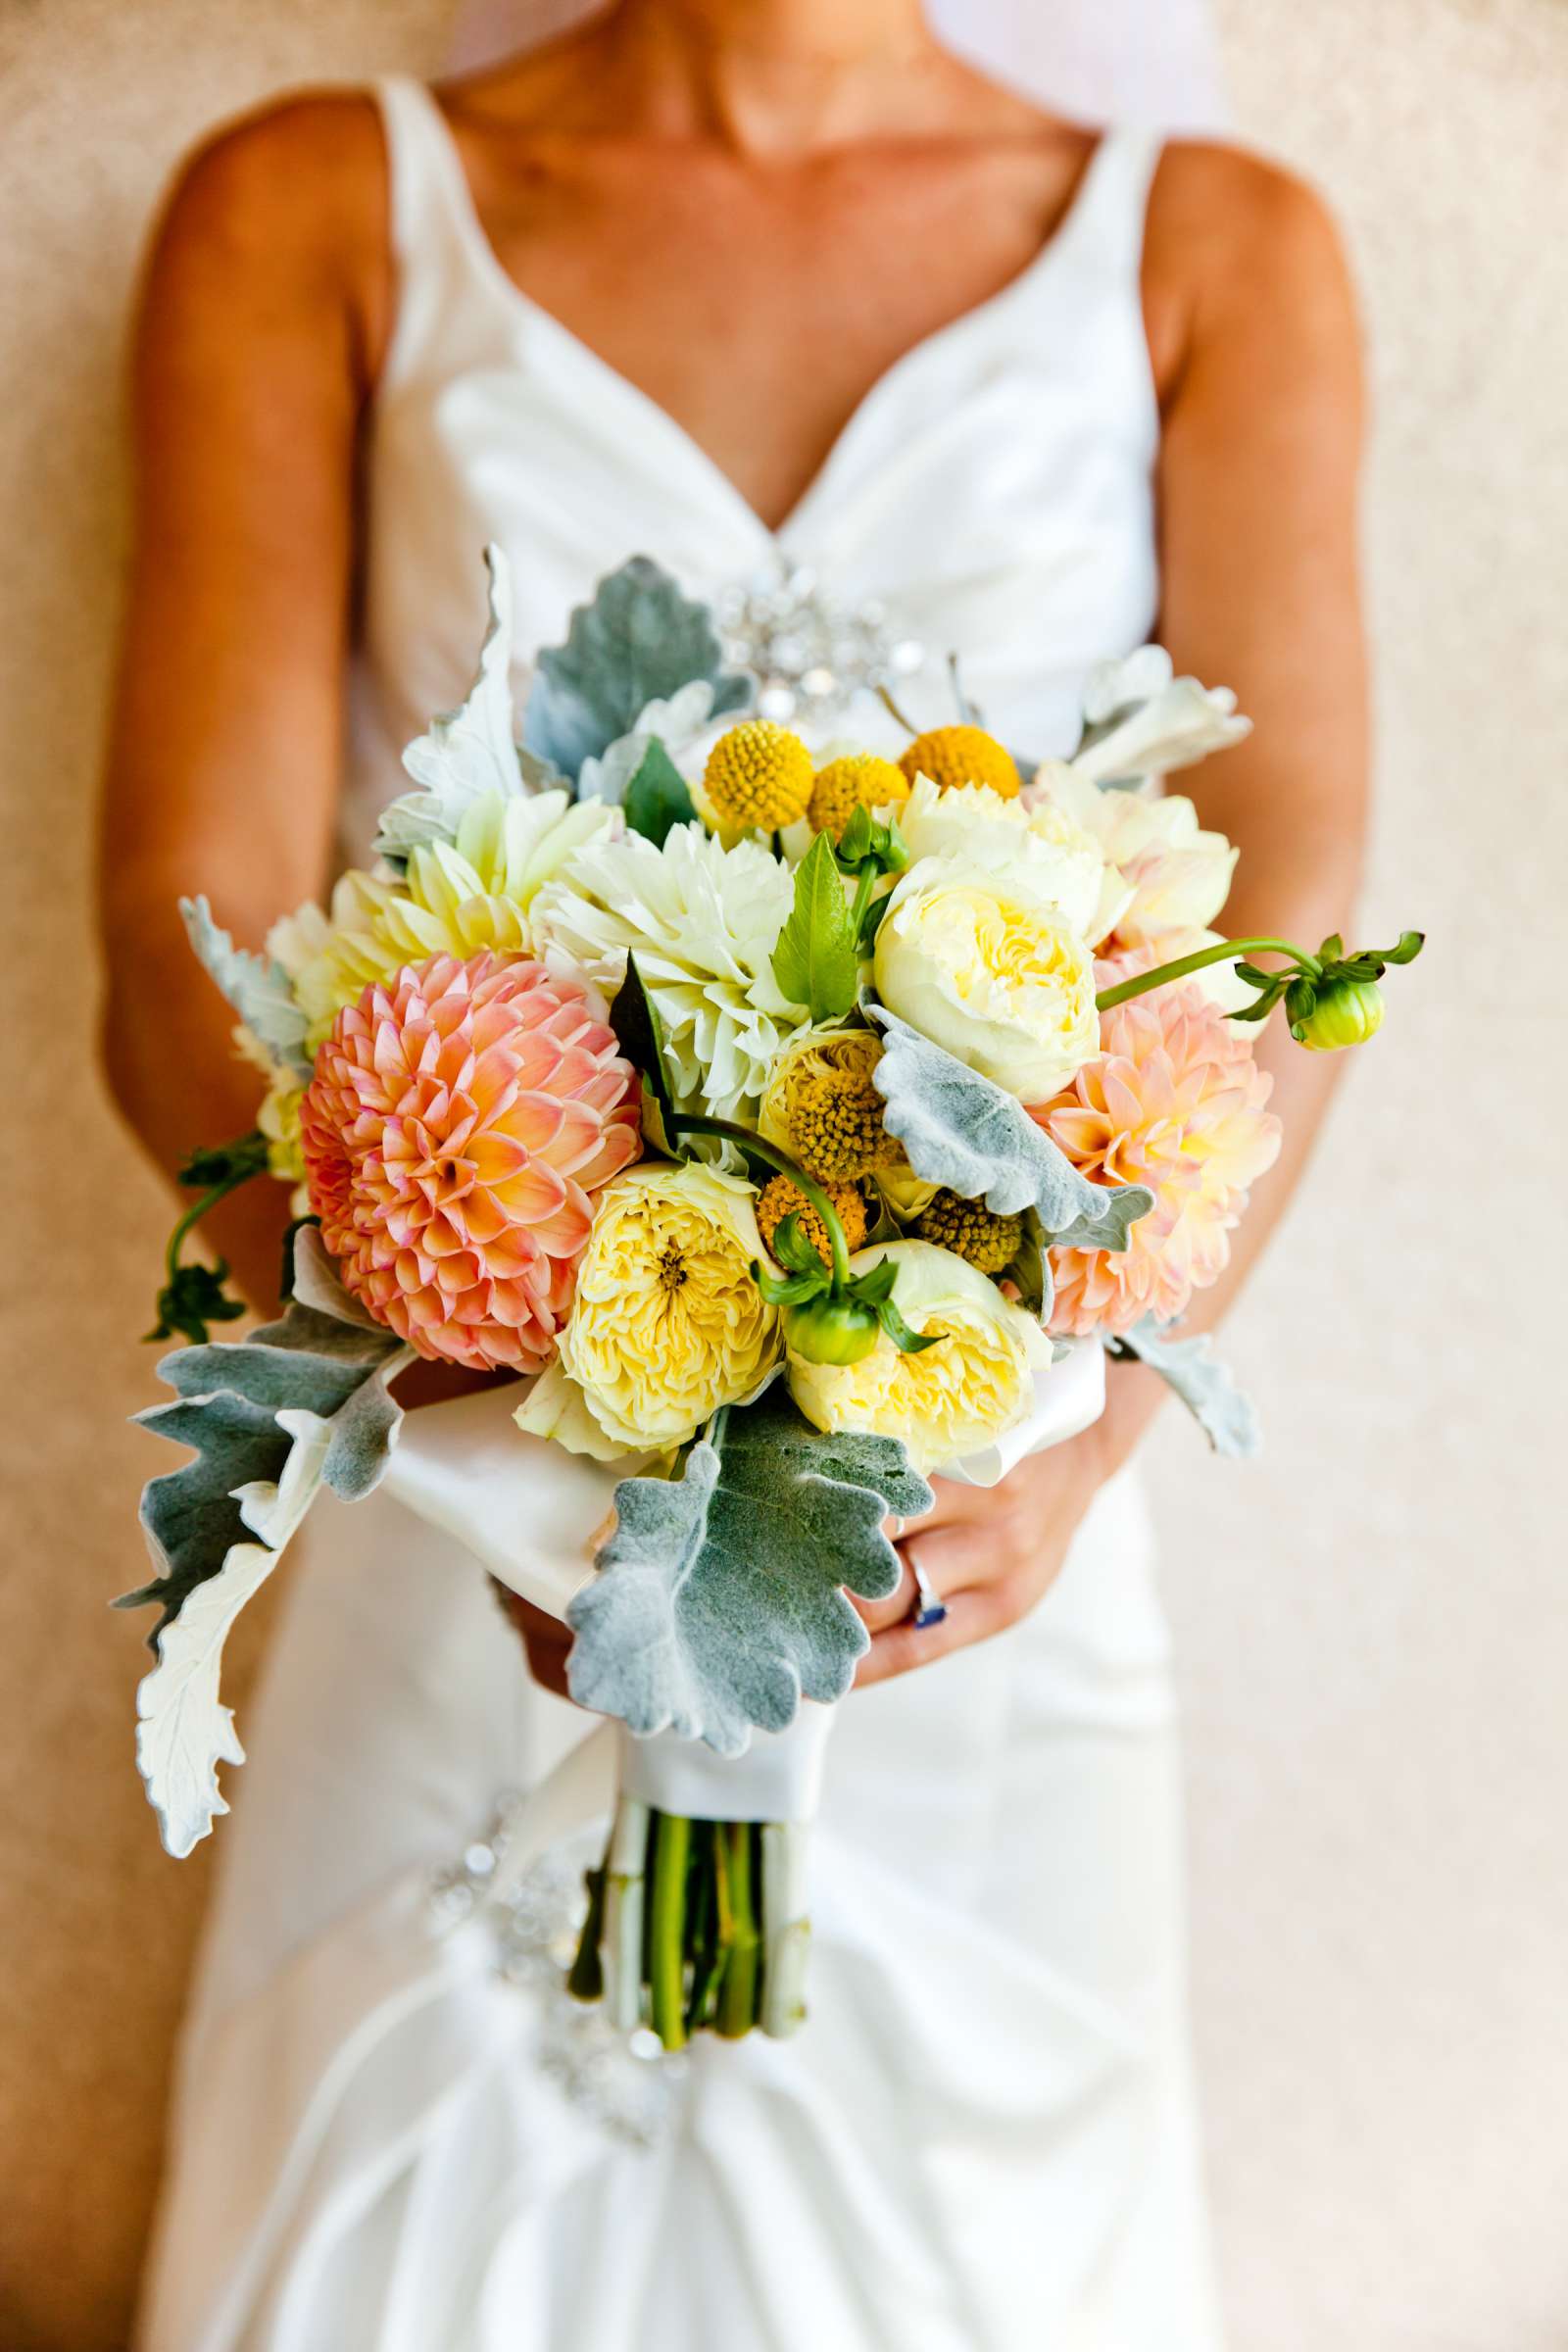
x: 395, y: 2132
x: 993, y: 490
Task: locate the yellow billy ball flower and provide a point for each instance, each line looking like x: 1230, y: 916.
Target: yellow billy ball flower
x: 757, y: 774
x: 783, y: 1198
x: 963, y: 756
x: 822, y: 1107
x: 971, y: 1231
x: 859, y: 780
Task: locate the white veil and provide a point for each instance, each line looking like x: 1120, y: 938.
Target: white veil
x: 1141, y: 60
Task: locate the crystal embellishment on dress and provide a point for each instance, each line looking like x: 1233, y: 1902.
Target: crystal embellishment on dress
x: 626, y: 2084
x: 809, y: 651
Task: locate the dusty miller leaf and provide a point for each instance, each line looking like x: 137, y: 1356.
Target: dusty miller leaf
x: 960, y: 1131
x: 717, y: 1604
x: 815, y: 962
x: 301, y: 1403
x: 639, y: 641
x: 470, y: 751
x: 1204, y: 1385
x: 258, y: 988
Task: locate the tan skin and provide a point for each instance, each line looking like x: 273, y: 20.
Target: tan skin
x: 751, y: 208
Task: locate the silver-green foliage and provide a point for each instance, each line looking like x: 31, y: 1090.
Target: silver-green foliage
x: 719, y: 1601
x: 256, y: 986
x: 638, y: 641
x: 970, y: 1136
x: 1204, y: 1384
x: 302, y: 1403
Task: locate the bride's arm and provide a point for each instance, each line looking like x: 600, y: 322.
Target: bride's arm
x: 1254, y: 336
x: 257, y: 343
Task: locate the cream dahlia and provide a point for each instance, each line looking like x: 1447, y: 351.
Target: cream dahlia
x: 1174, y: 1102
x: 460, y: 1121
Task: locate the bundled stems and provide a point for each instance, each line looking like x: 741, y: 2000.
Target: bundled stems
x: 737, y: 1996
x: 696, y: 1924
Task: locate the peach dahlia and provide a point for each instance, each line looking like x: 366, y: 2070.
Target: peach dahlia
x: 461, y: 1118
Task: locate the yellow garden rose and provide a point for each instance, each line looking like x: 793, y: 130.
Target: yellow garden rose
x: 982, y: 961
x: 667, y: 1323
x: 946, y: 1402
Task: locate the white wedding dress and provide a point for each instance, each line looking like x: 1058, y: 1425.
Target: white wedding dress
x: 393, y: 2133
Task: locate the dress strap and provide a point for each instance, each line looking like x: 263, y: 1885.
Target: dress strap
x: 430, y: 216
x: 1107, y: 228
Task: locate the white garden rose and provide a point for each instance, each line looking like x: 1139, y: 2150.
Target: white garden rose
x: 1063, y: 858
x: 1177, y: 875
x: 983, y: 962
x: 948, y: 1400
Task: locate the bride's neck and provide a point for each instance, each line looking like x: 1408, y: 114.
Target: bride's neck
x: 774, y: 77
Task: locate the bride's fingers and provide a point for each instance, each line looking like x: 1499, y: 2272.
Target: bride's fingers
x: 952, y: 1559
x: 971, y: 1616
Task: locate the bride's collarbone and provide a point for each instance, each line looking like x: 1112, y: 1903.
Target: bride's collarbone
x: 761, y: 311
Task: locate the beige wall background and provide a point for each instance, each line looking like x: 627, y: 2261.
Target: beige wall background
x: 1371, y: 1624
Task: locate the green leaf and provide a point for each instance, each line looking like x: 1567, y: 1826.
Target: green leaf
x: 814, y: 962
x: 234, y: 1163
x: 962, y: 1132
x: 905, y: 1340
x: 192, y: 1297
x: 1030, y: 1272
x: 640, y: 1036
x: 795, y: 1248
x: 657, y: 796
x: 638, y: 641
x: 303, y: 1403
x: 1409, y: 947
x: 1204, y: 1385
x: 718, y: 1604
x: 258, y: 988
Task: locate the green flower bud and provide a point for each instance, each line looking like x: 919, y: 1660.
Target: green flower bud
x: 828, y: 1330
x: 1346, y: 1013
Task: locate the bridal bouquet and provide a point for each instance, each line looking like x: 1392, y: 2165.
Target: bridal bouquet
x: 792, y: 1125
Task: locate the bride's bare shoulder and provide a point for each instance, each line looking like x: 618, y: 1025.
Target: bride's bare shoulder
x: 283, y: 208
x: 1234, y: 240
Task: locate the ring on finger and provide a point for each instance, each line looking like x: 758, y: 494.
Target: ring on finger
x: 928, y: 1607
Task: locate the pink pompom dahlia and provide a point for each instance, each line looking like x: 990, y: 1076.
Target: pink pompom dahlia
x: 1174, y: 1102
x: 461, y: 1118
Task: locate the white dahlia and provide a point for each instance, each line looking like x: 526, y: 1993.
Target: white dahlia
x: 703, y: 922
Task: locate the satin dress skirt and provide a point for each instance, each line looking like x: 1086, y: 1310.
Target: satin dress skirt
x: 982, y: 2141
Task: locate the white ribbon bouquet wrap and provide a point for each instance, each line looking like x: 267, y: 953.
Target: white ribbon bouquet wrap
x: 710, y: 1103
x: 531, y: 1514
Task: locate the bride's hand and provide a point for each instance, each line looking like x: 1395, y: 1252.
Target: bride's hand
x: 990, y: 1552
x: 545, y: 1638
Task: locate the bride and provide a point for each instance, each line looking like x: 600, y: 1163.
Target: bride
x: 782, y: 294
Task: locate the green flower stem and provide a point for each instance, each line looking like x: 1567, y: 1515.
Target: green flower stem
x: 666, y: 1952
x: 198, y: 1210
x: 862, y: 896
x: 736, y: 1134
x: 1226, y: 950
x: 737, y: 2000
